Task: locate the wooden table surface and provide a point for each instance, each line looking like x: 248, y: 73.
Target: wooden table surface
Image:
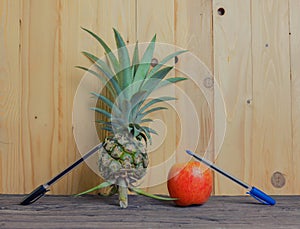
x: 93, y: 211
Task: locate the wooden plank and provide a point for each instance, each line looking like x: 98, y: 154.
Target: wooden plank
x: 193, y: 32
x: 198, y: 41
x: 193, y: 28
x: 295, y: 87
x: 100, y: 212
x: 50, y: 82
x: 272, y: 133
x: 233, y: 72
x: 39, y: 88
x: 101, y: 17
x: 66, y: 78
x: 38, y: 82
x: 157, y: 17
x: 151, y: 20
x: 11, y: 180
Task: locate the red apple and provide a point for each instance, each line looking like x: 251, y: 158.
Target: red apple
x: 190, y: 182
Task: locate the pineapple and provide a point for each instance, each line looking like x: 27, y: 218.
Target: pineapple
x: 123, y: 158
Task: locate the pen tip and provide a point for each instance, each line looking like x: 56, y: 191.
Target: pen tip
x: 189, y: 152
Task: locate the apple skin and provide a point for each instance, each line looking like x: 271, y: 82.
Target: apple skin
x: 190, y: 182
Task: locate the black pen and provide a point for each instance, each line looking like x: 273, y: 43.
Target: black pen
x: 42, y: 189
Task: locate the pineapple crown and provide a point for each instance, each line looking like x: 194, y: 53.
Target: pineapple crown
x: 129, y: 83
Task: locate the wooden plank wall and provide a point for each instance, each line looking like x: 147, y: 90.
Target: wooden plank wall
x: 251, y: 46
x: 233, y: 71
x: 295, y: 91
x: 255, y: 48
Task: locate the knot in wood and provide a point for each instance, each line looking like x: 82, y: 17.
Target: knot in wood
x: 208, y: 82
x: 278, y: 180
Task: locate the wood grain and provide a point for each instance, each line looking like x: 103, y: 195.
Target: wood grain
x: 10, y: 84
x: 253, y: 50
x: 233, y: 72
x: 295, y: 93
x: 193, y: 28
x: 43, y: 94
x: 98, y: 212
x: 50, y: 48
x: 157, y: 17
x: 121, y: 15
x: 66, y: 77
x: 272, y: 124
x: 193, y: 32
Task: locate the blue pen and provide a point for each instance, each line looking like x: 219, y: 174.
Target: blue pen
x: 253, y: 191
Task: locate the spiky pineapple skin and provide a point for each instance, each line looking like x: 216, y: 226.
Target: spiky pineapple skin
x: 123, y: 156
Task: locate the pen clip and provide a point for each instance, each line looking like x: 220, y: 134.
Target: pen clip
x: 261, y: 196
x: 34, y: 195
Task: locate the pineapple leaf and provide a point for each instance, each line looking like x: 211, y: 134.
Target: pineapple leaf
x: 102, y: 66
x: 102, y: 122
x: 111, y: 123
x: 135, y: 59
x: 137, y: 110
x: 113, y: 190
x: 149, y: 88
x: 155, y: 79
x: 170, y: 81
x: 136, y: 101
x: 125, y: 108
x: 145, y: 62
x: 110, y: 54
x: 164, y: 61
x: 158, y: 100
x: 175, y: 79
x: 107, y: 101
x: 101, y: 111
x: 102, y: 185
x: 124, y: 75
x: 107, y: 128
x: 105, y: 124
x: 119, y: 121
x: 134, y: 130
x: 146, y: 120
x: 141, y: 115
x: 103, y: 80
x: 138, y: 97
x: 141, y: 192
x: 150, y: 130
x: 110, y: 126
x: 148, y: 135
x: 162, y: 73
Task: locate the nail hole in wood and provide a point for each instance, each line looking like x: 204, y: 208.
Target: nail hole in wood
x: 176, y: 59
x: 221, y: 11
x: 208, y: 82
x: 154, y: 62
x: 35, y: 117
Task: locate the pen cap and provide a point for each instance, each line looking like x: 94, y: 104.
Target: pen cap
x: 34, y: 195
x: 261, y: 196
